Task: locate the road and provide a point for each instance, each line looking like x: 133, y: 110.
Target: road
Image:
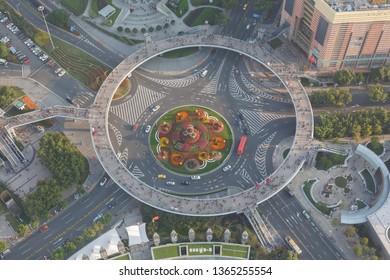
x: 71, y: 222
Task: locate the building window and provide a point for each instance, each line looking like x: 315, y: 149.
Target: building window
x: 350, y: 61
x: 379, y: 59
x: 364, y: 60
x: 322, y: 28
x: 289, y: 7
x: 305, y: 31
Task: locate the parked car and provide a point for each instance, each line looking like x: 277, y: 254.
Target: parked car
x: 61, y: 73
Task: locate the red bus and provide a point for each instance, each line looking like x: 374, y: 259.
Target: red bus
x: 241, y: 145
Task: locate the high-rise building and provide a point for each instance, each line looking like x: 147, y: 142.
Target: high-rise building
x: 340, y: 34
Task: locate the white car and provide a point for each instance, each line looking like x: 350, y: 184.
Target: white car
x: 195, y: 177
x: 103, y: 181
x: 227, y: 167
x: 147, y: 129
x: 4, y: 19
x: 58, y: 70
x: 61, y: 73
x: 98, y: 217
x: 247, y: 27
x: 155, y: 108
x: 170, y: 183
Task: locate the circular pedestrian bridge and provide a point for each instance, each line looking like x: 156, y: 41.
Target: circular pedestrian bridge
x: 98, y: 117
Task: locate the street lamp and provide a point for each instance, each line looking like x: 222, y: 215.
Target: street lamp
x: 41, y: 8
x: 17, y: 7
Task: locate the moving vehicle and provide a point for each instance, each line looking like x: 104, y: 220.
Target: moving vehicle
x: 241, y: 145
x: 103, y: 181
x: 155, y: 108
x: 289, y: 192
x: 227, y: 167
x: 247, y: 27
x: 44, y: 228
x: 185, y: 183
x: 307, y: 216
x: 3, y: 61
x: 204, y: 73
x: 161, y: 176
x: 293, y: 246
x: 195, y: 177
x: 147, y: 129
x: 97, y: 218
x: 245, y: 6
x: 171, y: 183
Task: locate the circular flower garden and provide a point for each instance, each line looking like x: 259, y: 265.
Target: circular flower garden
x: 191, y: 140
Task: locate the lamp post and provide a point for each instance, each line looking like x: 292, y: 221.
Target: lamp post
x: 41, y: 8
x: 17, y: 7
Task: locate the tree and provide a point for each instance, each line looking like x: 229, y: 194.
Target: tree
x: 23, y: 230
x: 127, y: 30
x: 228, y: 4
x: 166, y: 25
x: 158, y: 27
x: 58, y: 254
x: 143, y: 30
x: 173, y: 22
x: 378, y: 75
x: 358, y: 250
x: 151, y: 29
x: 223, y: 19
x: 59, y: 17
x: 344, y: 77
x: 89, y: 233
x: 289, y: 255
x: 69, y: 247
x: 335, y: 222
x: 41, y: 38
x: 359, y: 77
x: 364, y: 241
x: 120, y: 28
x: 376, y: 93
x: 135, y: 30
x: 3, y: 246
x: 350, y: 231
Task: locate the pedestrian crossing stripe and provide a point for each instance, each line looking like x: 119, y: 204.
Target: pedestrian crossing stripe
x: 260, y: 156
x: 132, y: 109
x: 137, y: 172
x: 245, y: 175
x: 257, y: 120
x: 175, y: 83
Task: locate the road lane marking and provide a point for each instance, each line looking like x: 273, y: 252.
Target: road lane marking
x: 68, y: 221
x: 65, y: 216
x: 48, y: 235
x: 89, y: 205
x: 26, y: 251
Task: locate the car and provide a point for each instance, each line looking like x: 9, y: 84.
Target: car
x: 76, y: 196
x: 171, y: 183
x: 112, y: 204
x: 204, y: 73
x: 236, y: 71
x: 289, y: 192
x: 227, y: 167
x: 185, y: 183
x: 161, y: 176
x: 245, y: 6
x: 26, y: 61
x: 135, y: 127
x: 307, y: 216
x: 155, y: 108
x: 246, y: 131
x: 44, y: 228
x: 147, y: 129
x: 247, y: 27
x: 61, y: 73
x: 103, y: 181
x: 195, y: 177
x: 212, y: 62
x: 97, y: 218
x: 4, y: 19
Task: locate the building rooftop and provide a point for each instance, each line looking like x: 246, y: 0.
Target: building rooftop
x: 358, y: 5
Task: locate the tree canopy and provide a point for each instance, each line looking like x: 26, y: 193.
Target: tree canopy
x: 344, y: 77
x: 3, y: 246
x: 377, y: 94
x: 67, y: 165
x: 3, y: 50
x: 352, y: 124
x: 8, y: 95
x: 331, y: 96
x: 59, y: 18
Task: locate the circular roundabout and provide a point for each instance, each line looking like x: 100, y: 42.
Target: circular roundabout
x: 191, y: 140
x: 206, y: 141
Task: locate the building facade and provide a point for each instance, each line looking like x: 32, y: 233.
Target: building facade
x: 340, y: 34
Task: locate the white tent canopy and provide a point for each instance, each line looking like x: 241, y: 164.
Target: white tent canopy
x: 137, y: 234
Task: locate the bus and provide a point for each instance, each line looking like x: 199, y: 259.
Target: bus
x: 241, y: 145
x: 293, y: 246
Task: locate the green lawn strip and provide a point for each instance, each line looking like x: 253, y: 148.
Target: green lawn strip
x: 164, y: 252
x: 360, y: 204
x: 378, y: 151
x: 307, y: 185
x: 217, y: 3
x: 200, y: 249
x: 180, y: 53
x: 181, y: 8
x: 369, y: 181
x: 122, y: 39
x: 225, y: 134
x: 326, y: 160
x: 208, y: 14
x: 285, y: 153
x: 238, y: 251
x: 75, y: 6
x: 275, y: 43
x: 12, y: 220
x: 123, y: 257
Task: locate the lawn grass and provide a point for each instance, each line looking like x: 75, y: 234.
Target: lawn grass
x: 12, y: 93
x: 360, y: 204
x: 180, y: 53
x: 182, y: 6
x: 94, y: 11
x: 285, y: 153
x: 377, y: 150
x: 225, y: 134
x: 123, y: 257
x: 164, y: 252
x: 275, y: 43
x: 12, y: 220
x: 75, y: 6
x: 237, y: 251
x: 207, y: 14
x: 326, y: 160
x: 319, y: 205
x: 369, y: 181
x: 340, y: 181
x: 217, y: 3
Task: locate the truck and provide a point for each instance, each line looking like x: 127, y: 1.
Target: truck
x: 293, y: 246
x: 3, y: 61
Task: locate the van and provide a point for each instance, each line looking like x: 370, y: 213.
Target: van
x: 3, y: 61
x: 204, y: 73
x: 307, y: 216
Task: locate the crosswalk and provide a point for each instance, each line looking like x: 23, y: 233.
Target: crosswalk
x: 211, y: 87
x: 246, y: 177
x: 262, y: 93
x: 118, y: 134
x: 238, y: 93
x: 257, y: 120
x: 175, y: 83
x: 137, y: 172
x: 130, y: 110
x: 83, y: 98
x: 261, y: 154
